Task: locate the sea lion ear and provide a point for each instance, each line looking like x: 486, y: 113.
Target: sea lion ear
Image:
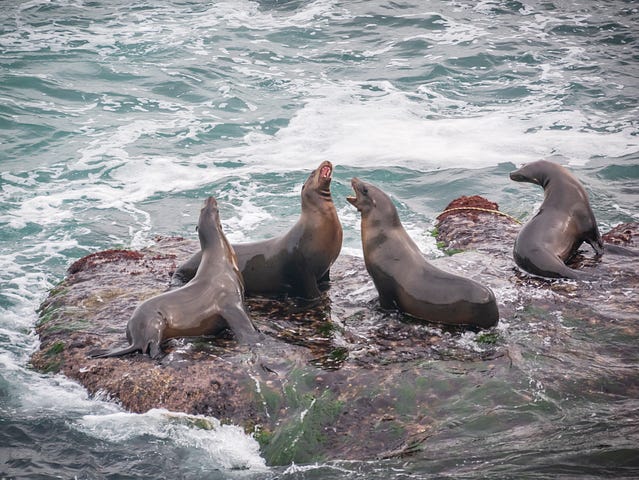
x: 374, y: 202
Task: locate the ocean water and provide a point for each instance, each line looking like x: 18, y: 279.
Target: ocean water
x: 117, y: 118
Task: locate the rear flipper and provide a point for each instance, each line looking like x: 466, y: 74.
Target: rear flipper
x: 613, y: 249
x: 113, y: 353
x: 549, y: 265
x: 564, y: 271
x: 152, y: 347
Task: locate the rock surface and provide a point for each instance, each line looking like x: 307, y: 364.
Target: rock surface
x: 336, y: 379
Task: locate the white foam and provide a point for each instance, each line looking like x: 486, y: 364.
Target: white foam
x: 453, y: 33
x: 41, y: 210
x: 340, y: 471
x: 227, y: 446
x: 33, y: 394
x: 248, y: 215
x: 160, y: 28
x: 142, y: 178
x: 36, y: 395
x: 352, y: 125
x: 57, y: 396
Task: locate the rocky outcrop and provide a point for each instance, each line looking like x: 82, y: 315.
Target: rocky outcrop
x: 335, y: 379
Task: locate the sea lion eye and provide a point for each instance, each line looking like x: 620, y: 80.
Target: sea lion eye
x: 365, y: 191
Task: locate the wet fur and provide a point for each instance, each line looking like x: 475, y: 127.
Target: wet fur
x: 207, y: 305
x: 564, y: 221
x: 297, y: 262
x: 403, y: 277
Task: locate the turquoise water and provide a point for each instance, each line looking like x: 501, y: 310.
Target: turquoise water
x: 116, y: 119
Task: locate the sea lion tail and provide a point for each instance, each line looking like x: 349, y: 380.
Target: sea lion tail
x: 613, y: 249
x: 113, y: 353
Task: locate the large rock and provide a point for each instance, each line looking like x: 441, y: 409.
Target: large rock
x: 337, y: 379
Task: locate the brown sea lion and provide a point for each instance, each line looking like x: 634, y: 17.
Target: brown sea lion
x: 208, y: 304
x: 564, y: 221
x: 298, y: 261
x: 403, y: 277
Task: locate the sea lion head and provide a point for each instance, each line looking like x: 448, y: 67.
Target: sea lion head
x: 372, y: 202
x: 210, y: 231
x: 209, y: 225
x: 539, y: 172
x: 318, y: 184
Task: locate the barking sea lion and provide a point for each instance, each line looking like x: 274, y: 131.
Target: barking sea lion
x: 298, y: 261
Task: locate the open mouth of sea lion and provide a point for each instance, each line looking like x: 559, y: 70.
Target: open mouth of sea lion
x: 352, y: 199
x: 326, y: 171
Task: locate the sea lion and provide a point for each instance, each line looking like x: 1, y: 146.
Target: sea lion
x: 208, y: 304
x: 564, y: 221
x: 403, y: 277
x: 298, y: 261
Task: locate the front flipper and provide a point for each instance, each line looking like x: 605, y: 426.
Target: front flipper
x: 241, y: 325
x: 308, y: 288
x: 303, y: 282
x: 595, y: 241
x: 387, y: 302
x: 385, y: 285
x: 154, y: 349
x: 325, y: 281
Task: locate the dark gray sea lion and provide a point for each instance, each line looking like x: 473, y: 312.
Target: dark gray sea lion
x: 403, y: 277
x: 208, y: 304
x: 298, y: 261
x: 564, y: 221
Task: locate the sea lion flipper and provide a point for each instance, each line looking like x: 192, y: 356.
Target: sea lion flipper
x: 324, y: 283
x: 547, y: 264
x: 595, y: 241
x: 154, y: 349
x: 241, y: 325
x: 303, y: 280
x: 310, y: 289
x: 619, y: 250
x: 386, y: 302
x: 113, y: 353
x: 384, y: 284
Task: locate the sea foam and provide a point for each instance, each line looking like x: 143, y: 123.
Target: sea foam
x: 225, y: 446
